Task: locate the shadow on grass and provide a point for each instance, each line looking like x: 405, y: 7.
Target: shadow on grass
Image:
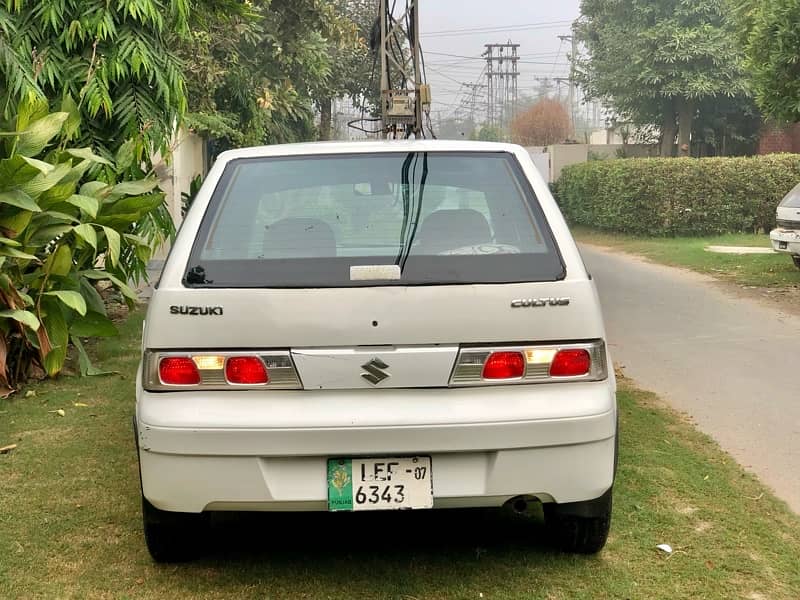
x: 283, y: 538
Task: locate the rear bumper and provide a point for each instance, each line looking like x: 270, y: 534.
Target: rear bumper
x: 786, y: 240
x: 245, y: 451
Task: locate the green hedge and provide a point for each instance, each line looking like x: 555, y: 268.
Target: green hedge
x: 678, y: 196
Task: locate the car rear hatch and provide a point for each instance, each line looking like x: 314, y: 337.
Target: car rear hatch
x: 394, y: 270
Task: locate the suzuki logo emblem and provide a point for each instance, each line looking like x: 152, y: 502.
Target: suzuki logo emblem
x: 374, y: 373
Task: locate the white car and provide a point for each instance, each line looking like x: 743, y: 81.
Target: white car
x: 374, y: 326
x: 786, y: 237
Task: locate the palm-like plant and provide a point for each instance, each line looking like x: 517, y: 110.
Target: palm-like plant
x: 114, y: 59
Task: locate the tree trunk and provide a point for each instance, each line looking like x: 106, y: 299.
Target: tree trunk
x: 685, y: 117
x: 325, y: 110
x: 668, y: 128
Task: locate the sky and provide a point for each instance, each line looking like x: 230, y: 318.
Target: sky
x: 533, y: 24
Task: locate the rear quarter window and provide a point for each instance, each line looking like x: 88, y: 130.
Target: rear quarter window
x: 422, y: 218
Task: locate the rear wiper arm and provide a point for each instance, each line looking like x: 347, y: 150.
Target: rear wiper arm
x: 406, y: 251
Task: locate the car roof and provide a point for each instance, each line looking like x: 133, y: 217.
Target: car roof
x: 368, y: 147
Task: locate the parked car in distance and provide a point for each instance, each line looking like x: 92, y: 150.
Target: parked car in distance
x: 374, y: 326
x: 786, y: 236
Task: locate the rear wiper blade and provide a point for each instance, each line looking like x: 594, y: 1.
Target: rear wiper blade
x: 406, y: 251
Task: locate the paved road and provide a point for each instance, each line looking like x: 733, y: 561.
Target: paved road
x: 731, y: 363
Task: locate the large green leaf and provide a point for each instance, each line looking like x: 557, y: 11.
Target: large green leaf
x: 25, y: 317
x: 71, y: 299
x: 87, y: 204
x: 87, y: 233
x: 58, y: 333
x: 39, y: 165
x: 44, y: 182
x: 95, y: 189
x: 93, y: 299
x: 60, y: 262
x: 19, y: 199
x: 46, y: 234
x: 114, y: 243
x: 14, y: 253
x: 135, y: 188
x: 120, y: 285
x: 13, y: 243
x: 85, y: 363
x: 39, y: 133
x: 87, y: 154
x: 73, y: 122
x: 16, y: 171
x: 93, y: 324
x: 29, y: 110
x: 16, y: 222
x: 126, y: 155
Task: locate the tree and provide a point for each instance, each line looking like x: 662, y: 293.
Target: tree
x: 253, y: 67
x: 487, y: 133
x: 545, y: 122
x: 770, y: 32
x: 114, y: 60
x: 658, y: 62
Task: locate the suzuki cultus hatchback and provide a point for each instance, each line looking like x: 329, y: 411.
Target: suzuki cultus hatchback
x: 374, y: 326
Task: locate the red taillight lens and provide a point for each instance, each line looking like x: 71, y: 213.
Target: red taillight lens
x: 249, y: 370
x: 571, y: 363
x: 504, y: 365
x: 178, y: 370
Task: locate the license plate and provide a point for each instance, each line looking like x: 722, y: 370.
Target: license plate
x: 379, y: 483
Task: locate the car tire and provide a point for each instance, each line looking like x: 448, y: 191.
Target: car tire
x: 796, y: 260
x: 579, y: 527
x: 172, y: 536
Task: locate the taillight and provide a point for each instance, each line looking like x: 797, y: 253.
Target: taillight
x: 572, y: 362
x: 218, y: 370
x: 246, y: 370
x: 546, y: 363
x: 178, y: 370
x: 504, y: 365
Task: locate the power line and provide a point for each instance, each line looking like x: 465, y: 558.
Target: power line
x: 496, y: 28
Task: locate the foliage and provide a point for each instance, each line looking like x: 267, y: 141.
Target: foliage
x: 487, y: 133
x: 770, y: 32
x: 657, y: 197
x: 187, y: 198
x: 544, y: 123
x: 252, y: 68
x: 61, y: 231
x: 113, y: 59
x: 653, y: 62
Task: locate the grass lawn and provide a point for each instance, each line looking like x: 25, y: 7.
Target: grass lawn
x: 762, y: 270
x: 69, y: 521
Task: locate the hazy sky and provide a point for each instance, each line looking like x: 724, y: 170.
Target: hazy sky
x: 533, y: 24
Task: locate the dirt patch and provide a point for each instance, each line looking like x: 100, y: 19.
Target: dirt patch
x: 784, y: 299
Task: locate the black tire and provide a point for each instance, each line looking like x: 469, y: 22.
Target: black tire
x: 580, y: 527
x: 172, y: 536
x: 796, y: 260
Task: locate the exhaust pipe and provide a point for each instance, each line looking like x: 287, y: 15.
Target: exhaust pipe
x: 520, y: 505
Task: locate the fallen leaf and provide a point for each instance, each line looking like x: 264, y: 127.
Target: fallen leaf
x: 30, y: 394
x: 80, y: 405
x: 7, y: 449
x: 665, y: 548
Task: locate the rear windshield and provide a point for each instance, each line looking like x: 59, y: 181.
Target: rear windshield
x: 373, y: 219
x: 792, y: 199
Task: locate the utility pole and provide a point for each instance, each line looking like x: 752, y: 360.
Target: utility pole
x: 404, y: 96
x: 572, y: 81
x: 502, y: 73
